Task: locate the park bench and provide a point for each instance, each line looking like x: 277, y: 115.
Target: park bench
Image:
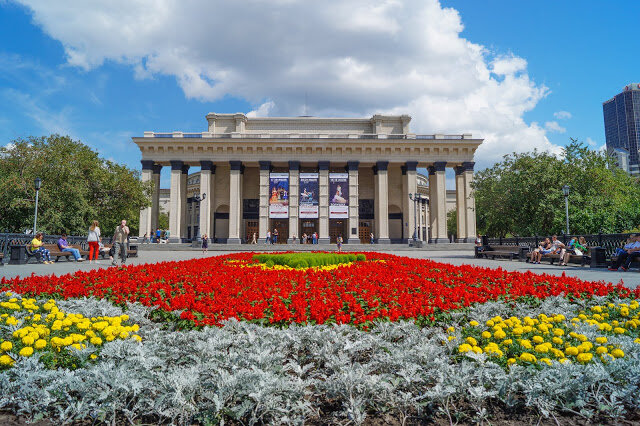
x: 54, y: 251
x: 634, y: 263
x: 1, y: 259
x: 512, y: 252
x: 582, y: 259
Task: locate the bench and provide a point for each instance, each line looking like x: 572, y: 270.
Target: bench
x: 582, y: 259
x: 492, y: 252
x: 634, y: 262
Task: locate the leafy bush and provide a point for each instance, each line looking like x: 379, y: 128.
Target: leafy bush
x: 308, y: 260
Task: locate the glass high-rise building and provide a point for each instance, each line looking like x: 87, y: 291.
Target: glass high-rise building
x: 622, y: 123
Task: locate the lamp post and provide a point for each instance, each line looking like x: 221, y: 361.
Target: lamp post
x: 197, y: 198
x: 414, y: 198
x: 565, y: 192
x: 37, y: 183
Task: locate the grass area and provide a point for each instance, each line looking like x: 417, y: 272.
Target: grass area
x: 308, y: 260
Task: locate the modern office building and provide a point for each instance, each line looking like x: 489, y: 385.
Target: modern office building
x: 346, y: 177
x: 622, y: 124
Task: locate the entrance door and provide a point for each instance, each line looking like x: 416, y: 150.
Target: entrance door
x: 364, y: 232
x: 252, y: 227
x: 337, y: 227
x: 282, y: 225
x: 308, y: 226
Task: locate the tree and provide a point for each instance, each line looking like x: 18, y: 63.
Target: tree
x: 452, y: 223
x: 77, y: 187
x: 522, y: 194
x: 163, y: 221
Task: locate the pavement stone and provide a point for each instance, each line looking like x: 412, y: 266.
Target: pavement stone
x: 630, y: 279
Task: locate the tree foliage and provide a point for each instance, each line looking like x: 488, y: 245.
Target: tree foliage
x: 77, y: 187
x: 522, y: 195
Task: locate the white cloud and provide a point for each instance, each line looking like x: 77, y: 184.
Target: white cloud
x: 562, y: 115
x: 263, y: 110
x: 553, y: 126
x: 349, y: 57
x: 594, y: 144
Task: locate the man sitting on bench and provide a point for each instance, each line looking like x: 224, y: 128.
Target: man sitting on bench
x: 624, y: 259
x: 63, y: 245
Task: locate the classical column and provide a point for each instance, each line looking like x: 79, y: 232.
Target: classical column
x: 183, y: 200
x: 235, y: 191
x: 175, y: 210
x: 461, y: 206
x: 294, y: 201
x: 438, y: 202
x: 353, y: 237
x: 410, y: 186
x: 263, y: 199
x: 470, y: 205
x: 145, y: 213
x: 323, y: 201
x: 155, y: 198
x: 382, y: 203
x: 207, y: 185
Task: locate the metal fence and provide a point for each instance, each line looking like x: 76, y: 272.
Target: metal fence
x: 610, y: 242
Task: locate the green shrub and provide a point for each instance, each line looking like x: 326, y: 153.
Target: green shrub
x: 306, y: 260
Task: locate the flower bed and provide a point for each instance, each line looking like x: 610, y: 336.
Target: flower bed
x: 382, y: 288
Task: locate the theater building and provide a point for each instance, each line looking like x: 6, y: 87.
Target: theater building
x: 346, y: 177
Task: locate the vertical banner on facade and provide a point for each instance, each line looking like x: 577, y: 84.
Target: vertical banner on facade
x: 338, y: 195
x: 279, y: 195
x: 309, y: 190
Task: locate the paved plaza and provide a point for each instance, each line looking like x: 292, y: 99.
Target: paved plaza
x: 455, y: 257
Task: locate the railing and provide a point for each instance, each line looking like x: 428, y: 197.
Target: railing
x: 610, y: 242
x: 7, y: 240
x: 302, y: 136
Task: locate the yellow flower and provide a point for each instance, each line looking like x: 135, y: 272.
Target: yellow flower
x: 474, y: 323
x: 470, y: 340
x: 558, y: 332
x: 40, y: 344
x: 624, y: 312
x: 511, y: 361
x: 537, y: 339
x: 517, y: 331
x: 525, y: 344
x: 606, y: 358
x: 477, y: 349
x: 571, y: 350
x: 136, y: 337
x: 27, y: 340
x: 601, y: 340
x: 6, y: 346
x: 486, y: 335
x: 449, y: 338
x: 581, y: 337
x: 500, y: 334
x: 601, y: 350
x: 619, y: 330
x: 490, y: 323
x: 96, y: 341
x: 596, y: 309
x: 564, y: 361
x: 543, y: 349
x: 527, y: 357
x: 6, y: 360
x: 546, y: 361
x: 637, y: 340
x: 27, y: 351
x: 93, y: 356
x: 450, y: 330
x: 585, y: 357
x: 507, y: 342
x: 557, y: 340
x: 617, y: 353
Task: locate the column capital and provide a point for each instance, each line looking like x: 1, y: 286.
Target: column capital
x: 147, y: 164
x: 459, y: 170
x: 468, y: 166
x: 440, y: 166
x: 382, y: 165
x: 176, y: 164
x: 352, y: 165
x: 323, y: 165
x: 404, y: 170
x: 157, y: 168
x: 185, y: 169
x: 294, y: 165
x: 235, y: 165
x: 265, y: 165
x: 207, y: 165
x: 411, y: 166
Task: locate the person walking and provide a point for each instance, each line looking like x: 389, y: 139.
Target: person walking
x: 93, y: 239
x: 371, y: 238
x: 158, y: 235
x: 120, y: 243
x: 339, y: 242
x: 37, y: 247
x: 254, y: 239
x: 205, y: 243
x: 268, y: 240
x: 275, y: 235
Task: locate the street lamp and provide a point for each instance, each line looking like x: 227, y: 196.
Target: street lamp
x: 197, y: 198
x: 414, y: 198
x: 37, y: 184
x: 565, y: 192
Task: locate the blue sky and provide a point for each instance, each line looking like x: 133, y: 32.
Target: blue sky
x: 520, y: 74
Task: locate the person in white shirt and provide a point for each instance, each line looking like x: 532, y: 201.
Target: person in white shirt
x: 624, y: 259
x: 94, y: 238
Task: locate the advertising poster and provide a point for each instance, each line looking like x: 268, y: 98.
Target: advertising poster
x: 338, y: 195
x: 279, y: 195
x: 309, y: 189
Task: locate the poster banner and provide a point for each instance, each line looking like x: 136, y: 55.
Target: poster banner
x: 309, y: 190
x: 338, y: 195
x: 279, y: 195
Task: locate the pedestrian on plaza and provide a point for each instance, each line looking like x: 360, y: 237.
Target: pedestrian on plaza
x: 314, y: 238
x: 36, y: 247
x: 64, y: 246
x: 158, y: 235
x: 120, y: 237
x: 145, y: 239
x: 166, y: 236
x: 371, y: 238
x: 275, y: 235
x: 254, y: 239
x: 93, y: 239
x: 268, y: 240
x: 304, y: 238
x: 205, y: 243
x: 339, y: 242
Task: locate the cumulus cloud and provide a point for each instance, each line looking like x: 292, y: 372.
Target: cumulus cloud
x: 562, y: 115
x: 348, y: 57
x: 553, y: 126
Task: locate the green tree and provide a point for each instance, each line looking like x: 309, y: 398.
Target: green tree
x: 452, y: 223
x: 77, y: 187
x: 522, y: 195
x: 163, y: 221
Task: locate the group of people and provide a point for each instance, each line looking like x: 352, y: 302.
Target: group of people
x: 310, y: 239
x: 272, y: 237
x: 576, y: 246
x: 626, y: 254
x: 118, y: 248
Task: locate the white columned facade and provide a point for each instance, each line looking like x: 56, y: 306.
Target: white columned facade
x: 323, y: 200
x: 155, y: 198
x: 433, y: 199
x: 207, y: 185
x: 410, y: 186
x: 352, y: 234
x: 441, y: 201
x: 461, y: 206
x: 146, y: 213
x: 382, y: 203
x: 235, y: 194
x: 470, y: 201
x: 183, y: 200
x: 263, y: 201
x: 294, y: 201
x: 175, y: 210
